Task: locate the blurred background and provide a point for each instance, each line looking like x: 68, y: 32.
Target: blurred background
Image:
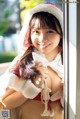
x: 12, y: 14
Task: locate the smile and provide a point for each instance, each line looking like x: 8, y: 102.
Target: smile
x: 43, y: 46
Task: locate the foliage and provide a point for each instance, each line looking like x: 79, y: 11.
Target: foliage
x: 7, y: 11
x: 7, y: 56
x: 18, y: 6
x: 26, y: 5
x: 4, y: 23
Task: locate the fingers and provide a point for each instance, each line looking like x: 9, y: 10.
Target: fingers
x: 42, y: 69
x: 39, y: 64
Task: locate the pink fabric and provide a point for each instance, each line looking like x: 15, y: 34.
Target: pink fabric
x: 26, y: 42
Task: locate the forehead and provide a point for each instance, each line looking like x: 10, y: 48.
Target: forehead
x: 37, y: 23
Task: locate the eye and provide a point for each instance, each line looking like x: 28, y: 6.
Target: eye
x: 34, y: 31
x: 51, y: 31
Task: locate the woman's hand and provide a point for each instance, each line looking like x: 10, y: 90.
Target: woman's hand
x: 14, y: 100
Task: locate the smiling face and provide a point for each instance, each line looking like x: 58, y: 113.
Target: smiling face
x: 46, y: 40
x: 45, y: 34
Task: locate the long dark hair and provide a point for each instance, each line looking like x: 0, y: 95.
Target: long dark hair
x: 46, y: 19
x: 27, y: 67
x: 49, y: 20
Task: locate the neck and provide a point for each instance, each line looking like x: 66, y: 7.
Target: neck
x: 51, y: 56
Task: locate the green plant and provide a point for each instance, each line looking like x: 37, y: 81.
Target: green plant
x: 7, y: 56
x: 6, y: 14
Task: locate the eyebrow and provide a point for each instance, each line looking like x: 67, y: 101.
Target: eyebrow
x: 37, y: 28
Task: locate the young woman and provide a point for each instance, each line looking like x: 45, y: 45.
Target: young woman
x: 42, y: 35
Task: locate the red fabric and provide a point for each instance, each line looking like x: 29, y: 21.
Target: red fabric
x: 38, y: 97
x: 53, y: 5
x: 26, y: 42
x: 15, y: 71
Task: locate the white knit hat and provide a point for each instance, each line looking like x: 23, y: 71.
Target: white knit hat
x: 48, y: 7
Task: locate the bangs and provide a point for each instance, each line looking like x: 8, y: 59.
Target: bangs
x: 46, y: 20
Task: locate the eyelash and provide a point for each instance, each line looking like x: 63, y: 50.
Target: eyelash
x: 50, y: 32
x: 37, y: 32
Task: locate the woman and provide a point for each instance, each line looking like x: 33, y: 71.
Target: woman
x: 42, y: 33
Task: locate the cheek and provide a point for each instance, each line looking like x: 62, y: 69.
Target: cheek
x: 56, y: 40
x: 34, y: 40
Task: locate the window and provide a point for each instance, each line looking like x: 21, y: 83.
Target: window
x: 71, y: 59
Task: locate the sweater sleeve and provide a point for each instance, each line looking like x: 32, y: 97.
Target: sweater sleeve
x: 10, y: 74
x: 12, y: 80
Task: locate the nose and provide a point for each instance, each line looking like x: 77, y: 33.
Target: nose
x: 42, y: 38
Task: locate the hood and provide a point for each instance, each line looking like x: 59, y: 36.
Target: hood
x: 48, y: 7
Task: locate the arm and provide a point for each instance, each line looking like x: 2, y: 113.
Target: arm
x: 13, y: 99
x: 8, y: 92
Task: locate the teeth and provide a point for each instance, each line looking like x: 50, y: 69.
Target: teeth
x: 43, y: 46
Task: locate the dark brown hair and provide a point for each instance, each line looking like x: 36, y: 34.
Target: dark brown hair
x: 46, y: 20
x: 27, y: 67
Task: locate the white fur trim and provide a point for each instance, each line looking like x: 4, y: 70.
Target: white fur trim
x: 7, y: 80
x: 15, y: 83
x: 59, y: 70
x: 56, y: 64
x: 26, y: 87
x: 41, y: 7
x: 30, y: 90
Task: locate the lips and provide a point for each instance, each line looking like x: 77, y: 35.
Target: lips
x: 43, y: 46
